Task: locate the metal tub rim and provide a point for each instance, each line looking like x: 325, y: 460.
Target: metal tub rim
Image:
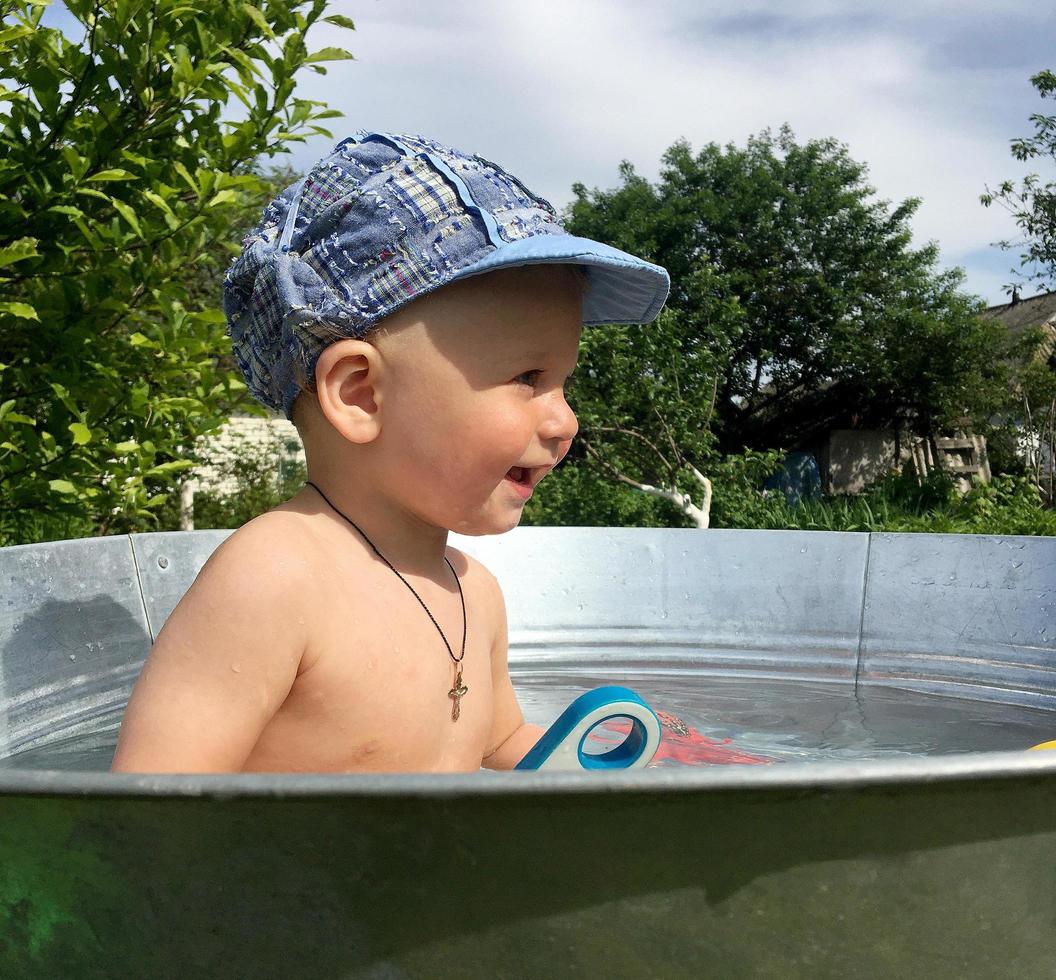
x: 809, y: 776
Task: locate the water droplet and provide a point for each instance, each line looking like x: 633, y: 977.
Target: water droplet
x: 236, y: 668
x: 73, y: 656
x: 802, y: 551
x: 1017, y: 564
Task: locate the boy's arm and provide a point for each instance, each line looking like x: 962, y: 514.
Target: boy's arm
x: 511, y: 737
x: 223, y: 663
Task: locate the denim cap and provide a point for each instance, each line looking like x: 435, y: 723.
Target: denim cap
x: 382, y: 220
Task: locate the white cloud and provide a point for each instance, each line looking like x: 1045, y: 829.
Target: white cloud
x: 927, y: 95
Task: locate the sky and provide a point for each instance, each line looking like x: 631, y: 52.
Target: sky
x: 927, y: 94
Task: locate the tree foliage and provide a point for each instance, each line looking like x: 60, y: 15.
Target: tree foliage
x: 803, y: 296
x: 1033, y: 202
x: 122, y: 195
x: 1033, y: 383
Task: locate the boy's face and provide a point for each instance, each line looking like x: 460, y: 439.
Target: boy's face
x: 474, y: 387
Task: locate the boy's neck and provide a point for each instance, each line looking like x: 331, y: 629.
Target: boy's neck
x: 413, y: 547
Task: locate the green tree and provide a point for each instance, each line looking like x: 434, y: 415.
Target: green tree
x: 815, y: 308
x: 1031, y: 413
x: 645, y: 397
x: 1033, y: 203
x: 121, y: 193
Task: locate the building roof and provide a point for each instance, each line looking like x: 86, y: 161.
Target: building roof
x: 1024, y: 314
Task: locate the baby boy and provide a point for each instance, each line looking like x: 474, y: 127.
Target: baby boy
x: 416, y: 312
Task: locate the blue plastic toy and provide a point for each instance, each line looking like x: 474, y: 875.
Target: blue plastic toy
x: 561, y: 745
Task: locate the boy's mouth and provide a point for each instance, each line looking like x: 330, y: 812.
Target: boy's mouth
x: 521, y: 475
x: 525, y: 478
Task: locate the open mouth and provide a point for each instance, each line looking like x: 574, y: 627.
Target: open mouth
x: 521, y: 475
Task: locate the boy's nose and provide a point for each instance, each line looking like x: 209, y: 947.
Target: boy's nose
x: 560, y: 422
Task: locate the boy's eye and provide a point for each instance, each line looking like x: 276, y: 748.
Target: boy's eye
x: 530, y: 375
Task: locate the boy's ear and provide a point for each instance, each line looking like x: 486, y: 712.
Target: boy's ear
x: 346, y: 379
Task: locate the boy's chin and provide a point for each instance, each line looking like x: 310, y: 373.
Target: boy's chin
x: 493, y: 525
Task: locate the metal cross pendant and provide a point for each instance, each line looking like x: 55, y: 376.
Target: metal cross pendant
x: 457, y: 693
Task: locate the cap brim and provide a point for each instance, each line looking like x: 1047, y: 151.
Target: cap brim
x: 621, y: 288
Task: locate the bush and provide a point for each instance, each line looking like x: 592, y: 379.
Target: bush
x: 123, y: 192
x: 575, y: 495
x: 1007, y: 505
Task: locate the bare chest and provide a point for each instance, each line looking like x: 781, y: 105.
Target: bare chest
x: 378, y: 691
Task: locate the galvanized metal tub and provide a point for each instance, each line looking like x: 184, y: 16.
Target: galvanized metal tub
x: 884, y: 867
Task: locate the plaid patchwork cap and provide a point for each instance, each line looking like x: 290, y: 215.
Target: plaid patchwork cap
x: 382, y: 220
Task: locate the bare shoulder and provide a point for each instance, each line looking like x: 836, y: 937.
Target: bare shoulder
x: 272, y: 549
x: 258, y: 578
x: 479, y: 577
x: 472, y: 571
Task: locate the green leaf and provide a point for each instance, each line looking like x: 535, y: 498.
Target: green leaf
x: 10, y: 95
x: 22, y: 310
x: 340, y: 20
x: 249, y: 70
x: 126, y: 447
x: 13, y: 33
x: 78, y: 165
x: 221, y: 196
x: 6, y: 407
x: 329, y: 54
x: 129, y: 215
x: 191, y: 183
x: 22, y: 248
x: 19, y: 417
x: 209, y: 316
x: 258, y: 18
x: 62, y: 486
x: 239, y: 90
x: 114, y: 174
x: 158, y: 201
x: 91, y: 238
x: 81, y: 433
x: 91, y: 192
x: 173, y: 466
x: 135, y: 158
x: 67, y: 209
x: 65, y: 397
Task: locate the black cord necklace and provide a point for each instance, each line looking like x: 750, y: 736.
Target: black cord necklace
x: 458, y: 691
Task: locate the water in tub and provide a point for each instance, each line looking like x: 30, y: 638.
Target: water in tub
x: 706, y: 720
